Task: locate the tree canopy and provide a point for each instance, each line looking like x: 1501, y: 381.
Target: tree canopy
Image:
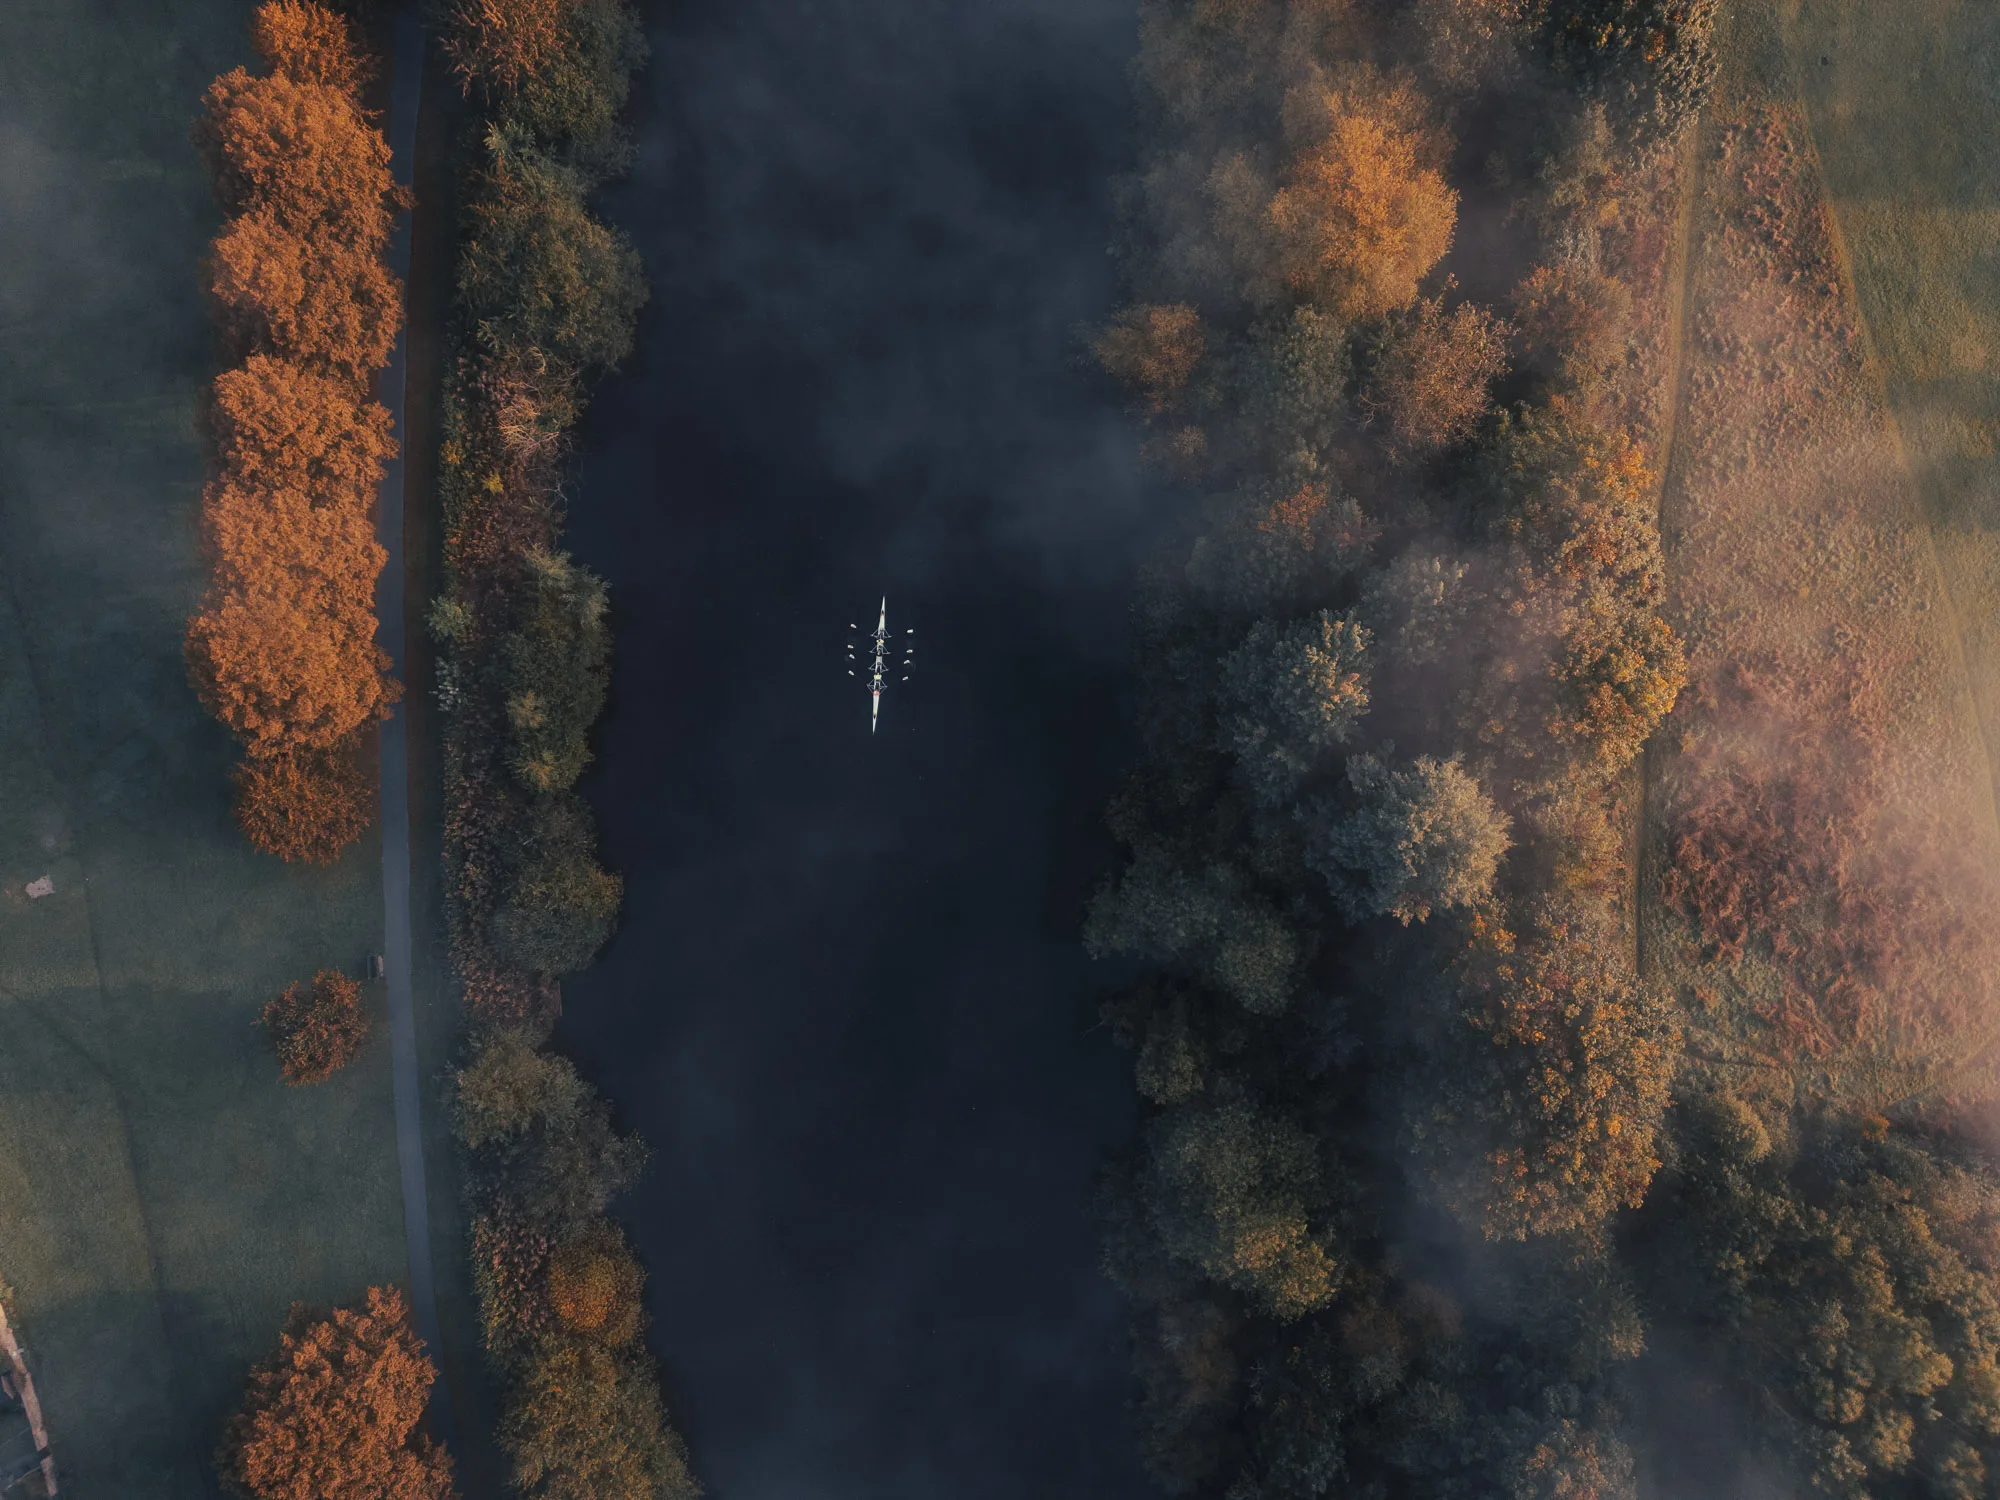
x: 334, y: 1414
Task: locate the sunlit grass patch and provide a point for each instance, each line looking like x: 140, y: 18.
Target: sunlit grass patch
x: 1823, y: 846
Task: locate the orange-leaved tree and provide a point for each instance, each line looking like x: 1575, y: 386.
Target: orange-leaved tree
x: 333, y: 1415
x: 283, y: 650
x: 304, y: 805
x: 278, y: 423
x: 1361, y: 215
x: 310, y: 44
x: 317, y: 1031
x: 305, y: 295
x: 304, y: 152
x: 283, y: 677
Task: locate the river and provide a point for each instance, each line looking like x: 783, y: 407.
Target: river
x: 848, y: 1006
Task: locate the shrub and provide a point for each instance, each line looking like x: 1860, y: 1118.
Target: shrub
x: 594, y: 1285
x: 584, y: 1423
x: 1431, y: 384
x: 334, y: 1415
x: 1572, y: 324
x: 317, y: 1031
x: 304, y: 805
x: 1358, y: 217
x: 510, y: 1263
x: 496, y: 46
x: 556, y: 668
x: 1416, y: 841
x: 559, y: 69
x: 562, y: 905
x: 538, y: 273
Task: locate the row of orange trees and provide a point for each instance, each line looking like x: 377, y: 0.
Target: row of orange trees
x: 282, y: 649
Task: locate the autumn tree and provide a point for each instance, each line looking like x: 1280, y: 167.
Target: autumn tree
x: 301, y: 155
x: 1289, y: 696
x: 311, y: 298
x: 281, y: 677
x: 584, y: 1423
x: 317, y: 1031
x: 1415, y: 840
x: 309, y: 43
x: 334, y: 1414
x: 283, y: 649
x: 1538, y: 1106
x: 594, y: 1284
x: 1432, y: 382
x: 1295, y: 390
x: 1654, y: 61
x: 1577, y: 502
x: 1276, y: 548
x: 305, y: 805
x: 1152, y: 349
x: 1418, y: 607
x: 1841, y: 1274
x: 277, y: 425
x: 1359, y: 217
x: 1572, y: 325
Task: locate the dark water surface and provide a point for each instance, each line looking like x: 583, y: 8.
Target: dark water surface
x: 848, y: 1006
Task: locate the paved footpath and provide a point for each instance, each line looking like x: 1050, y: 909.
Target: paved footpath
x: 405, y: 93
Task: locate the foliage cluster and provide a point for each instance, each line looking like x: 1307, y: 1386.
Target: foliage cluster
x: 547, y: 300
x: 558, y: 1286
x: 1850, y: 1270
x: 1423, y: 1155
x: 282, y: 649
x: 1401, y: 1081
x: 333, y: 1415
x: 317, y: 1029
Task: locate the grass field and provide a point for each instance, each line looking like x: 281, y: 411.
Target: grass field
x: 1905, y: 112
x: 163, y: 1198
x: 1823, y: 796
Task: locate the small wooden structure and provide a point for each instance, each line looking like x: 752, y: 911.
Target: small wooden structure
x: 27, y: 1468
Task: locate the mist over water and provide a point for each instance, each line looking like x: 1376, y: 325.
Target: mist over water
x: 848, y: 1005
